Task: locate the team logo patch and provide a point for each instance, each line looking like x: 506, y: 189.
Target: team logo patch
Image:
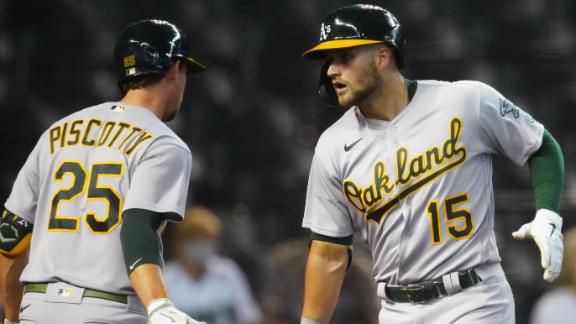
x: 324, y: 31
x: 506, y: 107
x: 64, y: 292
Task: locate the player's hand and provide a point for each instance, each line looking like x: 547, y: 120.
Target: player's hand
x: 545, y: 230
x: 162, y: 311
x: 6, y: 321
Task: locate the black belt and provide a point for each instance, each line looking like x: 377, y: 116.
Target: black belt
x: 425, y: 291
x: 41, y: 288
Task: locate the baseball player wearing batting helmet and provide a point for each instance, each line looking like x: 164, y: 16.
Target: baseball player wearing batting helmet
x: 80, y: 235
x: 408, y: 166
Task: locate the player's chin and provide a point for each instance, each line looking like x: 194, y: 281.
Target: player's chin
x: 346, y: 101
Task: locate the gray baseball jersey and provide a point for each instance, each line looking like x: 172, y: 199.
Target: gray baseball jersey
x: 419, y: 187
x: 85, y: 170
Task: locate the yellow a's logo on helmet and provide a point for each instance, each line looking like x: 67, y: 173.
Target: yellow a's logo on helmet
x: 325, y: 29
x: 129, y: 61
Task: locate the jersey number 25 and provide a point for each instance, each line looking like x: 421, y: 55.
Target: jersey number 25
x: 107, y: 194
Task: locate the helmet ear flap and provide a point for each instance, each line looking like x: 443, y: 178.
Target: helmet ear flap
x: 325, y: 88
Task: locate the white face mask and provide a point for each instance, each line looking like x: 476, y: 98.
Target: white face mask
x: 198, y: 252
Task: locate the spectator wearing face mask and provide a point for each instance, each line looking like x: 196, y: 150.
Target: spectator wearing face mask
x: 203, y: 284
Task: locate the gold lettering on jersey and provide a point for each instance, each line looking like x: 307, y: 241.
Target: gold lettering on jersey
x: 74, y: 131
x: 121, y: 128
x: 88, y: 130
x: 113, y: 134
x: 412, y: 173
x: 55, y: 134
x: 65, y: 127
x: 362, y: 199
x: 134, y: 131
x: 423, y: 163
x: 106, y: 132
x: 142, y: 138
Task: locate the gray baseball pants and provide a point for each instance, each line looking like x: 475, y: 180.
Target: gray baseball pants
x: 64, y: 304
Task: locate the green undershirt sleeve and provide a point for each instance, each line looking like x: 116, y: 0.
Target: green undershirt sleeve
x: 140, y: 238
x: 547, y: 170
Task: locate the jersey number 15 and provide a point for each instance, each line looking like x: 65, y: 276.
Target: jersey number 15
x: 454, y: 216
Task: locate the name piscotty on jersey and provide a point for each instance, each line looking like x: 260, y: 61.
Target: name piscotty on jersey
x: 419, y: 187
x: 94, y: 132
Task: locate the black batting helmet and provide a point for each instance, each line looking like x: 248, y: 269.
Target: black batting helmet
x: 147, y: 47
x: 352, y: 26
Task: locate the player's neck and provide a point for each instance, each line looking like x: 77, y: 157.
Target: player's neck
x: 389, y: 100
x: 148, y: 99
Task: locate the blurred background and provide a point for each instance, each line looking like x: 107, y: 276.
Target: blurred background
x: 253, y: 119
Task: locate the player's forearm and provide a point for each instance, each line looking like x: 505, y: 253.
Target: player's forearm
x: 141, y: 247
x: 547, y: 170
x: 148, y: 283
x: 325, y: 270
x: 10, y: 286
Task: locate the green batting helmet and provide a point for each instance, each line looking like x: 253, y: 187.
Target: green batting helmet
x: 358, y: 25
x: 147, y: 47
x: 352, y: 26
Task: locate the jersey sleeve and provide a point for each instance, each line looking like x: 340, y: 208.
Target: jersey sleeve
x: 23, y: 199
x: 160, y: 180
x: 505, y: 128
x: 325, y: 211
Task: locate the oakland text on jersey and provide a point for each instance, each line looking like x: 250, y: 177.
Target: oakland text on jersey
x: 94, y: 132
x: 424, y: 168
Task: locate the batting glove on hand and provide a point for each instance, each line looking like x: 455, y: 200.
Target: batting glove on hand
x: 545, y: 230
x: 9, y: 322
x: 162, y: 311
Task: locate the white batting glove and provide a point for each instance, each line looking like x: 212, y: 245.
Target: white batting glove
x: 545, y: 230
x: 9, y: 322
x: 162, y: 311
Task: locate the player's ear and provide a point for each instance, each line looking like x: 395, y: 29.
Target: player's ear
x: 181, y: 66
x: 383, y: 56
x: 174, y: 68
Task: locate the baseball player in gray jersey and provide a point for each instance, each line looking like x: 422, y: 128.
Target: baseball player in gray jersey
x: 85, y: 214
x: 408, y: 166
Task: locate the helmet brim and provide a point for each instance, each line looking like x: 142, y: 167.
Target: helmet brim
x: 319, y: 51
x: 194, y: 66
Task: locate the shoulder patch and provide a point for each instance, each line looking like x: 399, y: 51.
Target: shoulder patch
x: 507, y: 107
